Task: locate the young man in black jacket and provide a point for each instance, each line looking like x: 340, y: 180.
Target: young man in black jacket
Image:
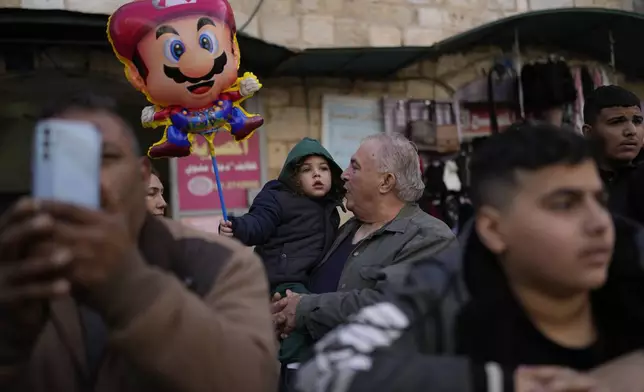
x: 545, y: 279
x: 613, y: 122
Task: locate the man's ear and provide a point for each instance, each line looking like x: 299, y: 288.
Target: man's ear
x: 489, y: 229
x: 587, y: 130
x: 134, y: 77
x: 387, y: 183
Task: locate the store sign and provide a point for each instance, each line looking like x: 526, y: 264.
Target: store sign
x: 207, y: 223
x: 475, y: 120
x: 346, y: 121
x: 239, y: 167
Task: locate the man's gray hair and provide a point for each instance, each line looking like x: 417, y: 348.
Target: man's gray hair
x: 398, y: 156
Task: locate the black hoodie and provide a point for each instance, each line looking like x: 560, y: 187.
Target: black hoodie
x: 455, y: 325
x: 290, y: 231
x: 625, y: 186
x: 492, y: 326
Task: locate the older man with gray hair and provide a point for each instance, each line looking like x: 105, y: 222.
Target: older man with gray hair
x: 373, y: 249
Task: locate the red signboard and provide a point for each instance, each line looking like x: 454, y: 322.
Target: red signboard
x: 207, y: 223
x: 239, y: 167
x: 475, y: 119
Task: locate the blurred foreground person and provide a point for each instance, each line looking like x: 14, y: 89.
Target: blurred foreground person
x: 549, y: 282
x: 154, y: 199
x: 118, y: 300
x: 613, y: 122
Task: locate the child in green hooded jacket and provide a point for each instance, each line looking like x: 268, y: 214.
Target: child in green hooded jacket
x: 292, y: 223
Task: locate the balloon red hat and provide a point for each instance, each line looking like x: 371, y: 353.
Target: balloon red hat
x: 130, y: 23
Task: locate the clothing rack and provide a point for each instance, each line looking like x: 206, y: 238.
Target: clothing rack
x: 450, y: 206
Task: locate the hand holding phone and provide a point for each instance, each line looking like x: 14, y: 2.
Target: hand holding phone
x: 88, y: 220
x: 66, y: 168
x: 31, y: 274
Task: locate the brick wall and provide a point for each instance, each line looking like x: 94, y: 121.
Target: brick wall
x: 354, y: 23
x: 293, y: 107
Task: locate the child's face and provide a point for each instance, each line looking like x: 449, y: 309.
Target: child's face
x: 315, y: 177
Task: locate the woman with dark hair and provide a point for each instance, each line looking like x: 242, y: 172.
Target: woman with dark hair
x: 155, y: 201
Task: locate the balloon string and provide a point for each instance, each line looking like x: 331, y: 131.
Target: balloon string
x: 215, y: 168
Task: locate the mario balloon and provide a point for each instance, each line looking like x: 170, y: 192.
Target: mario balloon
x: 184, y: 56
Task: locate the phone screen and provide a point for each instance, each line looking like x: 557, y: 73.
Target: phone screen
x: 67, y: 162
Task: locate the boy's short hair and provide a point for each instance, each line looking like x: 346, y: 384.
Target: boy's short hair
x: 607, y: 97
x: 521, y: 147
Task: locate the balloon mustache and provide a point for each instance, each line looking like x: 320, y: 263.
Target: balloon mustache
x: 175, y: 73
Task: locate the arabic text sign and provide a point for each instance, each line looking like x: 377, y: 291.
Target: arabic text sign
x: 239, y: 168
x: 346, y: 121
x: 475, y: 120
x: 207, y: 223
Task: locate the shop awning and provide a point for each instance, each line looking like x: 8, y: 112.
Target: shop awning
x: 23, y: 27
x: 357, y: 63
x: 583, y: 31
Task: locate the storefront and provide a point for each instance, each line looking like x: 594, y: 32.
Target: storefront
x: 335, y: 95
x: 442, y: 98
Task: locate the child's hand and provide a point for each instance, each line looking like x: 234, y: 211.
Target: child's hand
x: 226, y: 228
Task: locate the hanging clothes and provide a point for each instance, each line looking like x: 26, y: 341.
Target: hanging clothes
x: 443, y: 192
x: 587, y: 82
x: 435, y: 189
x: 547, y: 85
x: 578, y: 107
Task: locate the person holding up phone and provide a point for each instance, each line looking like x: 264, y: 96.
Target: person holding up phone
x: 112, y: 299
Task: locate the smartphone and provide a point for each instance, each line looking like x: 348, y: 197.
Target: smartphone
x: 66, y: 162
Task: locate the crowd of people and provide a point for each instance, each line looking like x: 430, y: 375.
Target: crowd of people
x: 541, y: 291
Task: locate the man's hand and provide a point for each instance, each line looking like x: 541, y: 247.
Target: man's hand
x: 31, y: 273
x: 100, y: 241
x: 624, y: 374
x: 226, y: 228
x: 553, y: 379
x: 29, y: 269
x: 284, y: 310
x: 147, y: 115
x: 249, y: 86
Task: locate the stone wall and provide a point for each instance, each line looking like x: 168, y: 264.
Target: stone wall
x: 354, y: 23
x: 293, y: 108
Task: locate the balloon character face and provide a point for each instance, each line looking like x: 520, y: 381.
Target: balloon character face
x: 177, y: 52
x: 189, y: 62
x: 183, y: 55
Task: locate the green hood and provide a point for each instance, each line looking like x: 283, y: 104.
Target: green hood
x: 307, y: 147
